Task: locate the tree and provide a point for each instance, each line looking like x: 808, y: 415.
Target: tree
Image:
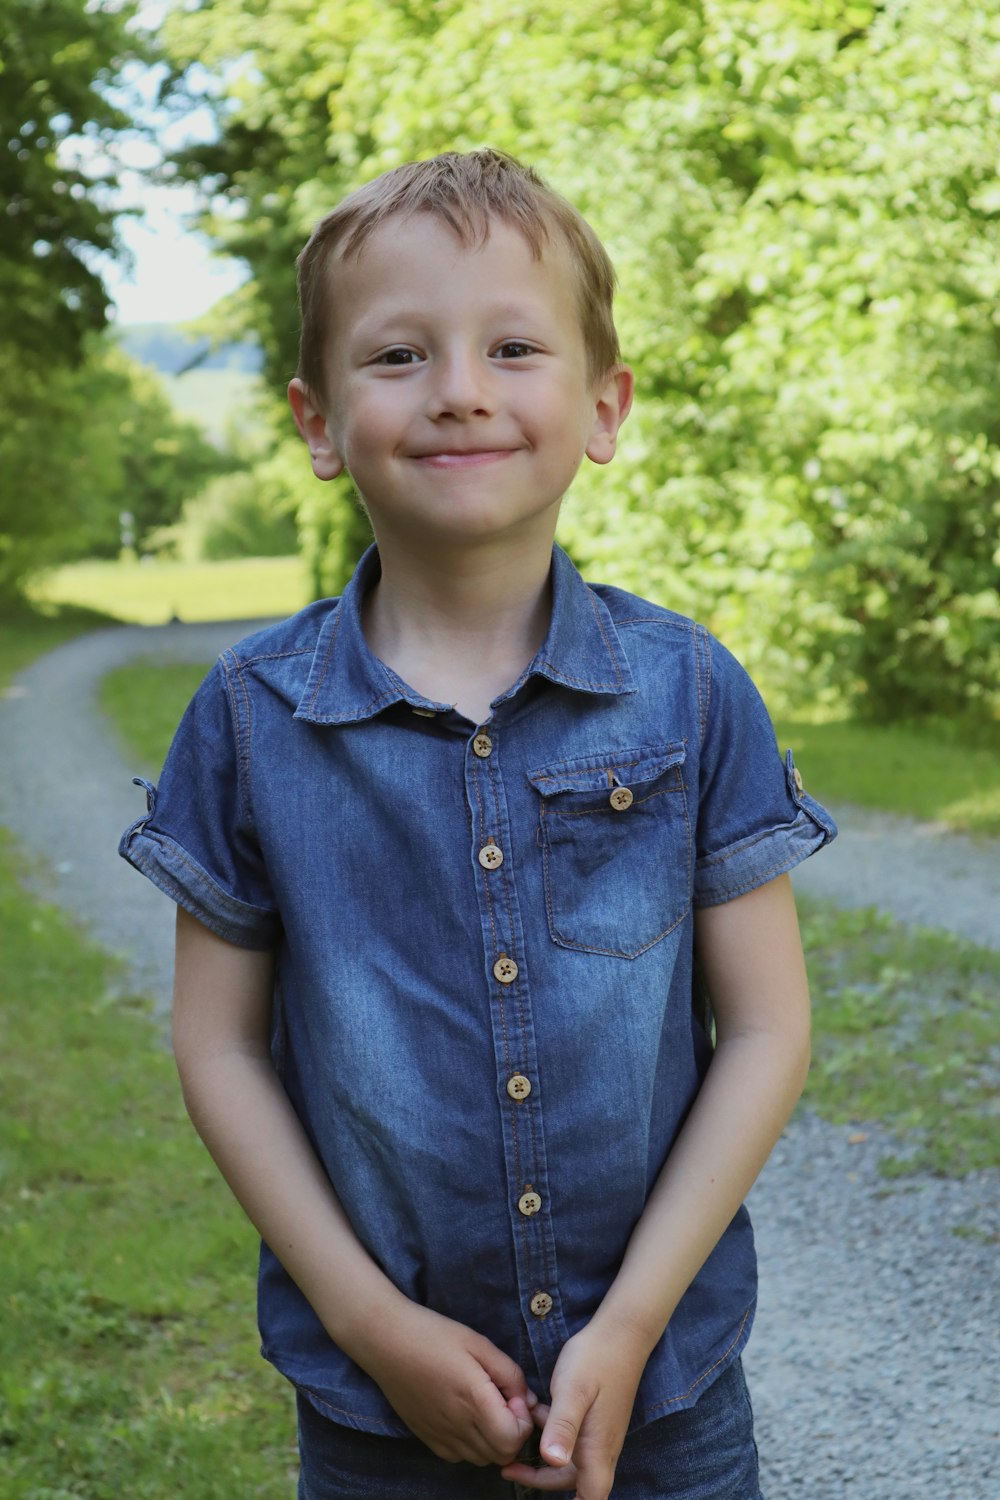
x: 57, y: 58
x: 801, y: 200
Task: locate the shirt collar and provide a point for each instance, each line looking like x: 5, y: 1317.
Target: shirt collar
x: 348, y: 683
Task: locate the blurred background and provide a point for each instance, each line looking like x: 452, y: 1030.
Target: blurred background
x: 801, y: 198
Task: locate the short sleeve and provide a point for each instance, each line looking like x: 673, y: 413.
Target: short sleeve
x: 755, y: 821
x: 197, y: 841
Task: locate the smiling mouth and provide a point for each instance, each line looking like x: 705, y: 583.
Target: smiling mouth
x: 468, y: 460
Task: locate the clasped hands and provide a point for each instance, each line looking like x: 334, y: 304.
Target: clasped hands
x: 467, y: 1400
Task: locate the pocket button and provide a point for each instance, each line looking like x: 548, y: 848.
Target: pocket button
x: 621, y: 799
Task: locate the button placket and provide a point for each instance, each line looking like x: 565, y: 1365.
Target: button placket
x: 510, y: 1014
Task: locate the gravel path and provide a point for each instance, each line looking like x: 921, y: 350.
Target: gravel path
x: 874, y: 1361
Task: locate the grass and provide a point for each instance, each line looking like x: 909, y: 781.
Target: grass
x: 151, y: 593
x: 130, y: 1361
x: 906, y: 1033
x: 144, y: 702
x: 25, y: 635
x: 946, y: 773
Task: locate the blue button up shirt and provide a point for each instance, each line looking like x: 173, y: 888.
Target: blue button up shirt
x: 484, y: 1007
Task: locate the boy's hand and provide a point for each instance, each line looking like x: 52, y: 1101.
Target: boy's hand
x: 456, y: 1391
x: 593, y: 1392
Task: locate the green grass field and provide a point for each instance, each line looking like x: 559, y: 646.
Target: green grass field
x: 130, y: 1362
x: 945, y: 773
x: 150, y: 593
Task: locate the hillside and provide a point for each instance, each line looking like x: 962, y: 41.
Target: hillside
x: 170, y: 349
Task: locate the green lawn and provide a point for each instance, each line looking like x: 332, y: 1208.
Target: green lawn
x: 130, y: 1362
x: 150, y: 593
x: 947, y: 773
x: 26, y: 635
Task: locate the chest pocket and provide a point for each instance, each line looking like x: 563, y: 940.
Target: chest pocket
x: 616, y: 844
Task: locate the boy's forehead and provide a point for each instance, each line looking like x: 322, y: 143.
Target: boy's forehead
x: 416, y: 234
x: 427, y: 245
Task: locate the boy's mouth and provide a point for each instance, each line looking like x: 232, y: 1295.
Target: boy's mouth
x: 453, y: 458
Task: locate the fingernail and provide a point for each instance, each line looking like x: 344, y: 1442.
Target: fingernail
x: 559, y: 1454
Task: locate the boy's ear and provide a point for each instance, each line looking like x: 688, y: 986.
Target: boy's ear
x: 327, y: 462
x: 612, y: 405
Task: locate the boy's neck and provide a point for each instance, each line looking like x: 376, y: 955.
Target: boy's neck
x: 460, y: 627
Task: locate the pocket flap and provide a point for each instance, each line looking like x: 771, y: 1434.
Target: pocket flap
x: 595, y: 773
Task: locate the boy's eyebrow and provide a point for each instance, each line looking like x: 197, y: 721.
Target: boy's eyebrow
x: 369, y: 326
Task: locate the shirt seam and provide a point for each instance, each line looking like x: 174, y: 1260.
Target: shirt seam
x: 685, y: 1395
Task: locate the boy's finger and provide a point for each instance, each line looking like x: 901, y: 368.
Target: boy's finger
x: 561, y: 1431
x: 519, y: 1406
x: 544, y: 1479
x: 506, y: 1374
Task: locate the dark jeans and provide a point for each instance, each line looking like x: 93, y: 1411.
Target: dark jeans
x: 705, y: 1453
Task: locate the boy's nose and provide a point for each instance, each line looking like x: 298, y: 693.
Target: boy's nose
x: 462, y: 388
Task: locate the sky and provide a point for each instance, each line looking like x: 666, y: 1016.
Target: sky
x: 174, y: 275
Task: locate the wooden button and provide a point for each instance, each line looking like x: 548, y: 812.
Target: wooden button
x: 529, y: 1203
x: 797, y: 778
x: 425, y: 713
x: 519, y: 1087
x: 505, y: 969
x: 621, y: 799
x: 540, y: 1304
x: 491, y: 856
x: 482, y: 746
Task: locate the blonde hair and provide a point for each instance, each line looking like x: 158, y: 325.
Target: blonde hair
x: 467, y: 190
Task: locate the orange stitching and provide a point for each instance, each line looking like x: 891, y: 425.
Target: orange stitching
x: 672, y: 1400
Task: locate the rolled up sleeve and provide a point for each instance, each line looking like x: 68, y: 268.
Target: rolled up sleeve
x: 197, y: 841
x: 755, y: 820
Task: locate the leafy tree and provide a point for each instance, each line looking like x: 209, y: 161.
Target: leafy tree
x: 57, y: 58
x: 80, y: 446
x: 800, y: 196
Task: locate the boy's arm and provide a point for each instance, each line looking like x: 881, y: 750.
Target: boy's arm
x: 459, y: 1393
x: 752, y: 958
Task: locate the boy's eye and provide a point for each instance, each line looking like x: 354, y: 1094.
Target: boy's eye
x: 515, y: 349
x: 397, y: 357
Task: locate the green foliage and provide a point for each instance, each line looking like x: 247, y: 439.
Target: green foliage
x: 801, y: 200
x: 56, y: 59
x: 87, y: 434
x: 231, y: 517
x: 82, y: 444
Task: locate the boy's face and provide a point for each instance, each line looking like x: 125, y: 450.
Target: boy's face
x: 459, y: 398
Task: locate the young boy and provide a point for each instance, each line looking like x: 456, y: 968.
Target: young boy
x: 445, y: 852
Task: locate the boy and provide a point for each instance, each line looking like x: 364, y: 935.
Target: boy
x: 444, y: 851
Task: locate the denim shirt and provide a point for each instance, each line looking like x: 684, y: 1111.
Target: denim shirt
x: 484, y: 1009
